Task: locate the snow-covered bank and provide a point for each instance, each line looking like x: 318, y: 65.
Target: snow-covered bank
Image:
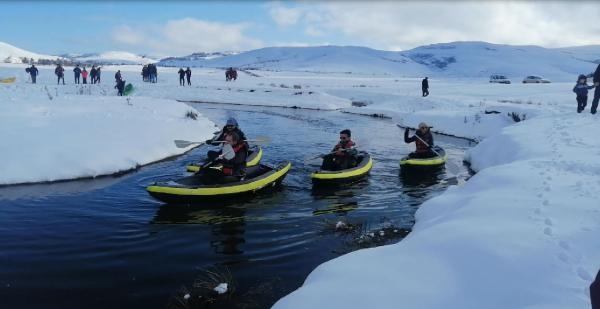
x: 521, y: 233
x: 49, y: 135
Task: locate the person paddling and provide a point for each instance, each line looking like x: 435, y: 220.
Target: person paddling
x: 230, y: 127
x: 423, y: 141
x: 236, y: 166
x: 343, y: 155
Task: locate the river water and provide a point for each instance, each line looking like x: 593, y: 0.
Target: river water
x: 105, y: 243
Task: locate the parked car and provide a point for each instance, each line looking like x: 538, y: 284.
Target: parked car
x: 535, y: 79
x: 499, y: 79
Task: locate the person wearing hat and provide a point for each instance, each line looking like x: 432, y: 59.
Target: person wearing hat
x: 581, y: 89
x: 423, y: 141
x: 231, y: 126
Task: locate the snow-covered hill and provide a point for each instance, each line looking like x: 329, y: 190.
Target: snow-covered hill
x: 111, y: 57
x: 480, y: 59
x: 12, y: 54
x: 458, y: 59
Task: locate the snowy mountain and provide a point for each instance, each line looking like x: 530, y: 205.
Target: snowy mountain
x: 111, y: 57
x: 350, y: 59
x: 458, y: 59
x: 480, y: 59
x: 177, y: 61
x: 12, y: 54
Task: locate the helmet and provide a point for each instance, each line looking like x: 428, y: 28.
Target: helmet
x: 231, y: 122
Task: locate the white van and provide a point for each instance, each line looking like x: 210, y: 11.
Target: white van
x: 499, y: 79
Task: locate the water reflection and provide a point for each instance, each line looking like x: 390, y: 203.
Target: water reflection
x: 338, y: 199
x: 227, y: 221
x: 416, y: 182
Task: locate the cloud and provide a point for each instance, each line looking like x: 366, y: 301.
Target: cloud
x: 284, y: 16
x: 403, y: 25
x: 186, y: 36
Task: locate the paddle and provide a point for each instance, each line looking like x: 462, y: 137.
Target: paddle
x: 306, y: 160
x: 263, y: 140
x: 451, y: 166
x: 227, y: 154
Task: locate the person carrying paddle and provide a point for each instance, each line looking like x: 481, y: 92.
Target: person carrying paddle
x: 343, y: 155
x: 236, y: 166
x: 423, y: 140
x: 231, y: 126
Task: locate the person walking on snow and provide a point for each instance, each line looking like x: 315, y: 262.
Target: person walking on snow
x: 425, y: 86
x: 188, y: 75
x: 181, y: 77
x: 33, y: 71
x: 597, y: 91
x: 118, y: 76
x: 581, y: 89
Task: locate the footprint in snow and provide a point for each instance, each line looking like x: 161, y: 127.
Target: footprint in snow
x: 548, y: 231
x: 565, y: 245
x: 548, y: 222
x: 545, y: 203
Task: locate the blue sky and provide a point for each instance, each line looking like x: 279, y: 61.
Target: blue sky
x: 178, y: 28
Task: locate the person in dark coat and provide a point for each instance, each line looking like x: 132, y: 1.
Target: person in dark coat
x: 230, y: 127
x: 118, y: 76
x: 60, y: 73
x: 77, y: 72
x: 181, y: 77
x: 33, y: 72
x: 581, y: 89
x: 423, y: 141
x: 188, y: 75
x: 597, y: 91
x: 343, y: 154
x: 595, y: 288
x: 425, y: 86
x: 93, y: 74
x: 98, y: 73
x: 120, y: 86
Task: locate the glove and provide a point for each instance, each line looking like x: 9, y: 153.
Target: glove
x: 208, y: 141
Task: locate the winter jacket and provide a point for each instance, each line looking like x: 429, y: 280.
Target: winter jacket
x: 181, y: 73
x: 77, y: 71
x: 223, y: 134
x: 84, y: 73
x: 33, y: 71
x: 425, y: 84
x: 421, y: 147
x: 348, y: 146
x: 188, y: 73
x: 582, y: 89
x: 59, y: 71
x: 597, y: 75
x: 237, y: 165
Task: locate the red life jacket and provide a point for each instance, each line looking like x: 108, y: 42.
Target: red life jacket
x: 228, y: 168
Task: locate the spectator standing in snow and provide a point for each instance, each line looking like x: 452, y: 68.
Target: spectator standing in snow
x: 597, y: 91
x: 97, y: 75
x: 425, y: 86
x: 33, y: 71
x: 188, y: 75
x: 181, y: 76
x: 581, y: 89
x: 77, y: 72
x: 93, y: 74
x: 118, y: 76
x: 60, y: 73
x: 84, y: 75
